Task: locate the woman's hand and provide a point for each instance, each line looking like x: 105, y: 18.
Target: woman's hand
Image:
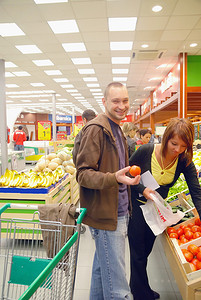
x: 121, y: 177
x: 147, y: 192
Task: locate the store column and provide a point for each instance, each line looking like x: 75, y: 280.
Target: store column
x: 182, y: 99
x: 54, y: 117
x: 3, y: 119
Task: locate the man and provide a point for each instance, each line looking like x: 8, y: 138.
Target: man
x: 19, y: 137
x: 87, y: 116
x: 104, y: 191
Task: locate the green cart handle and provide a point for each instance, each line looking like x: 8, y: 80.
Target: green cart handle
x: 3, y: 208
x: 81, y: 216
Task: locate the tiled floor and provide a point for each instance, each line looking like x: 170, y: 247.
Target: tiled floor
x: 160, y: 275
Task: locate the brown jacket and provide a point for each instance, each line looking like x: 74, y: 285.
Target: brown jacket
x: 97, y: 162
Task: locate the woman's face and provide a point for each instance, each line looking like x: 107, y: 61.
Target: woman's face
x: 176, y: 146
x: 145, y: 138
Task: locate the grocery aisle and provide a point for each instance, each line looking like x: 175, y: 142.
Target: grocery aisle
x: 161, y: 277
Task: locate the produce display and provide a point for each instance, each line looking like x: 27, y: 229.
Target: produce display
x: 48, y: 170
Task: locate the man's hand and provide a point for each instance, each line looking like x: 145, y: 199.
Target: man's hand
x: 147, y: 192
x: 121, y: 177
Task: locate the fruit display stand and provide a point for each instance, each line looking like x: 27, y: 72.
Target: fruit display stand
x: 188, y: 282
x: 66, y: 190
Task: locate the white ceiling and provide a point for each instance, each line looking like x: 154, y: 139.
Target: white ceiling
x: 167, y: 33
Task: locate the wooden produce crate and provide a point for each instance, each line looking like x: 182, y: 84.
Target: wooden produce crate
x: 189, y: 283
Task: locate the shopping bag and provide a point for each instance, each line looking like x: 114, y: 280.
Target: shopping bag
x: 158, y: 214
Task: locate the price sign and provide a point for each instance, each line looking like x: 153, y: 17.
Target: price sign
x: 44, y: 130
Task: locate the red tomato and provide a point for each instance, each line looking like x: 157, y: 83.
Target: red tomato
x: 194, y: 261
x: 135, y: 170
x: 196, y: 228
x: 188, y: 235
x: 191, y: 224
x: 197, y: 235
x: 171, y: 230
x: 173, y: 235
x: 199, y: 256
x: 182, y: 226
x: 193, y: 249
x: 197, y: 222
x: 198, y: 265
x: 188, y: 256
x: 184, y: 240
x: 180, y: 232
x: 193, y: 267
x: 199, y: 248
x: 186, y: 229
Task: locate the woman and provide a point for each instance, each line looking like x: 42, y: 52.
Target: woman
x: 166, y: 161
x: 129, y: 129
x: 145, y: 135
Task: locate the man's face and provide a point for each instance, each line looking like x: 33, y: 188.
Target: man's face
x: 116, y: 104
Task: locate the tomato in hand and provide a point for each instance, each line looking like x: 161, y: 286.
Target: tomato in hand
x: 135, y: 170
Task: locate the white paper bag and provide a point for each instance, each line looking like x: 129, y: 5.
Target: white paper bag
x: 158, y: 214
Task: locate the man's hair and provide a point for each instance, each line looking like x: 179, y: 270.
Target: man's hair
x: 20, y: 127
x: 88, y: 114
x: 112, y: 84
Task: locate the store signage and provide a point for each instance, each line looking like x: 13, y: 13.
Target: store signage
x: 63, y: 119
x: 167, y: 82
x: 44, y: 130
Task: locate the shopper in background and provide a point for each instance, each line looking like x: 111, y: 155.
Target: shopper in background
x: 102, y: 165
x: 151, y: 141
x: 145, y: 136
x: 87, y: 116
x: 165, y: 161
x: 19, y: 137
x: 129, y: 129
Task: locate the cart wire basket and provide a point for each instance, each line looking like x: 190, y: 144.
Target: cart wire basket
x: 34, y: 267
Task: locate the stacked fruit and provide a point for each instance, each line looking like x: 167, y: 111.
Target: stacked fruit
x: 186, y: 233
x: 193, y: 256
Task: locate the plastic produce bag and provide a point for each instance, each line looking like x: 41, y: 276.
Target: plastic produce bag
x: 158, y: 214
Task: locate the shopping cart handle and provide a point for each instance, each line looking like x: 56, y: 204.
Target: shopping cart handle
x: 3, y: 208
x: 81, y: 216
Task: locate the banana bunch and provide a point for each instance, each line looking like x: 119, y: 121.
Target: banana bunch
x: 31, y: 179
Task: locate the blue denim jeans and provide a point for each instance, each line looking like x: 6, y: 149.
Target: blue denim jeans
x: 108, y: 272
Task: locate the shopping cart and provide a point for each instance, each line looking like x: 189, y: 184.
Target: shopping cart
x: 32, y: 270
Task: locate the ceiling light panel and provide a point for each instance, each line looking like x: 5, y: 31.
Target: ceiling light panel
x: 121, y: 45
x: 63, y: 26
x: 43, y: 62
x: 120, y: 78
x: 119, y: 71
x: 21, y: 74
x: 61, y: 79
x: 10, y: 29
x: 28, y: 49
x: 81, y: 61
x: 9, y: 64
x: 122, y: 24
x: 49, y: 1
x: 86, y: 71
x: 121, y: 60
x: 36, y: 84
x: 53, y: 72
x: 90, y: 79
x: 74, y: 47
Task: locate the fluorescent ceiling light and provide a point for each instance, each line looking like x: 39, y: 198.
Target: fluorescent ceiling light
x: 122, y: 24
x: 144, y: 46
x: 53, y: 72
x: 49, y: 1
x: 157, y: 8
x: 76, y: 94
x: 9, y: 64
x: 21, y: 74
x: 119, y: 71
x: 162, y: 66
x: 121, y: 45
x: 9, y: 74
x: 147, y: 88
x: 120, y: 78
x: 43, y: 62
x: 95, y: 90
x: 12, y: 85
x: 10, y: 29
x: 28, y: 49
x: 63, y: 26
x: 121, y: 60
x: 154, y: 79
x: 44, y: 100
x: 72, y: 91
x: 89, y: 79
x: 74, y: 47
x: 66, y: 86
x: 86, y: 71
x: 93, y: 85
x: 81, y: 61
x: 97, y: 94
x: 62, y: 99
x: 26, y: 101
x: 61, y: 79
x: 193, y: 45
x: 37, y: 84
x: 9, y: 101
x: 79, y: 98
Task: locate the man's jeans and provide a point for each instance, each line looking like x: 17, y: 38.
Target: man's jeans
x: 18, y: 147
x: 108, y: 273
